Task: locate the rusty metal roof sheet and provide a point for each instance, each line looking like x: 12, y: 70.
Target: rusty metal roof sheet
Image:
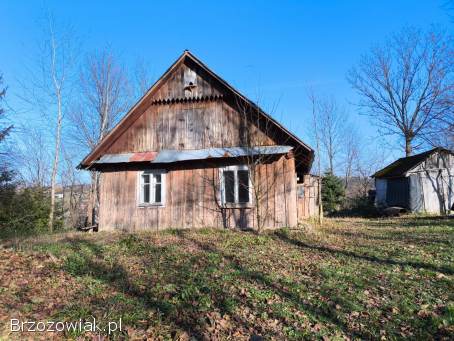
x: 140, y: 157
x: 170, y: 156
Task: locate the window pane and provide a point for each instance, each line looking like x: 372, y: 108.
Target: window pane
x: 146, y: 193
x: 157, y: 193
x: 243, y: 186
x: 157, y: 178
x: 229, y: 186
x: 146, y: 178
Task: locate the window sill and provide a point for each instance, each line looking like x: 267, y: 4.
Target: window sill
x: 150, y: 205
x: 238, y: 205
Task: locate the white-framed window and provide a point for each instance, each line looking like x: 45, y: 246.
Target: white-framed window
x: 235, y: 185
x: 152, y: 187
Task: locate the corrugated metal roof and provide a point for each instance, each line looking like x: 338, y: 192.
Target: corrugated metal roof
x: 170, y: 156
x: 115, y: 158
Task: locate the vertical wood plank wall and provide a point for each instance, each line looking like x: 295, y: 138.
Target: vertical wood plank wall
x: 191, y: 200
x: 170, y: 119
x: 179, y: 126
x: 307, y: 203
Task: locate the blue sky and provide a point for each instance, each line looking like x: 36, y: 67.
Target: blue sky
x: 269, y: 50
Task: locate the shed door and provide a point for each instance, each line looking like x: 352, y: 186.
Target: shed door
x: 397, y: 192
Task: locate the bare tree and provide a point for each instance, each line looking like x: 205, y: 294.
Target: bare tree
x: 74, y: 193
x: 3, y: 130
x: 141, y: 77
x: 367, y: 163
x: 317, y: 137
x: 351, y: 154
x: 406, y: 85
x: 444, y: 137
x: 104, y: 97
x: 48, y: 90
x: 33, y: 157
x: 331, y: 125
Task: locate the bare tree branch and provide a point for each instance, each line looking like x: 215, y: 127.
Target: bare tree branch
x: 406, y: 86
x: 104, y: 97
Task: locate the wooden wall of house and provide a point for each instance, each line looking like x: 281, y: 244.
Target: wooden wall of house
x: 193, y: 125
x: 191, y: 200
x: 178, y: 119
x: 175, y: 119
x: 307, y: 193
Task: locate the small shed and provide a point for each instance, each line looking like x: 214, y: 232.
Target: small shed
x: 418, y: 183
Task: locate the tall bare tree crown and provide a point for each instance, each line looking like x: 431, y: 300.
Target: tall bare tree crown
x: 406, y: 85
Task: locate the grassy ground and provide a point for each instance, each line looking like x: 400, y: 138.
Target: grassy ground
x: 354, y: 278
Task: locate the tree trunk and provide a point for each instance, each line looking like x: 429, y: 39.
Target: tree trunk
x: 320, y: 203
x: 55, y: 169
x: 95, y: 178
x: 408, y: 147
x: 331, y: 163
x: 96, y: 215
x: 94, y: 199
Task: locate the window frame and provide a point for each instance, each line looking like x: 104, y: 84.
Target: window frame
x: 235, y: 170
x: 140, y: 184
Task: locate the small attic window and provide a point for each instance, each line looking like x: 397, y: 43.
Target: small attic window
x: 190, y: 82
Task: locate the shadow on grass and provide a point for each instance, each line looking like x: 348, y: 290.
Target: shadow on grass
x: 280, y: 288
x: 435, y: 218
x: 183, y: 315
x: 113, y: 274
x: 193, y: 272
x: 411, y: 221
x: 396, y: 236
x: 386, y: 261
x: 195, y: 276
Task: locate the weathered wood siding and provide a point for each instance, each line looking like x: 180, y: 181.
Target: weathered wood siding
x: 191, y: 200
x: 381, y: 186
x: 194, y: 125
x: 174, y: 118
x: 307, y: 197
x: 174, y: 85
x: 436, y: 178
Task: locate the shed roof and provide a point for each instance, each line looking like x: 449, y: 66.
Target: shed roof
x: 171, y: 156
x: 401, y: 166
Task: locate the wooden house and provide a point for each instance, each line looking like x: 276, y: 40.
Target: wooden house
x: 418, y: 183
x: 194, y: 152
